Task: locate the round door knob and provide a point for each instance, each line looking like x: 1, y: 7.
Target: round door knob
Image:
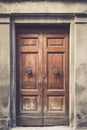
x: 29, y: 72
x: 55, y: 71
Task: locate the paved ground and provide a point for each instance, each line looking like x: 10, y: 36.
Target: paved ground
x: 47, y: 128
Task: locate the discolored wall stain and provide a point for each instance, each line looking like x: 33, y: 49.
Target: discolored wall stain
x: 5, y: 101
x: 81, y: 76
x: 4, y: 76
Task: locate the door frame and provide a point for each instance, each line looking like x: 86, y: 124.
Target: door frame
x: 45, y: 32
x: 15, y: 21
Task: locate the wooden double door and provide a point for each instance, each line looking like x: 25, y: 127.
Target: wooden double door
x: 42, y: 76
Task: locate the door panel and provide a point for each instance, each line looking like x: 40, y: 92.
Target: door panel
x: 29, y: 40
x: 42, y: 77
x: 55, y: 103
x: 29, y: 103
x: 29, y: 62
x: 56, y: 84
x: 29, y: 79
x: 55, y: 41
x: 56, y: 63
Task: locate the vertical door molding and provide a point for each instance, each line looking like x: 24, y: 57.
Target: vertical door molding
x: 72, y: 52
x: 13, y: 74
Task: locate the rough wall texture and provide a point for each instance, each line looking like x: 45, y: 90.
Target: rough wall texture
x: 81, y: 52
x: 81, y: 74
x: 43, y: 7
x: 4, y: 75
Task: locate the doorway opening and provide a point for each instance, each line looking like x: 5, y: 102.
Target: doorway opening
x: 42, y: 75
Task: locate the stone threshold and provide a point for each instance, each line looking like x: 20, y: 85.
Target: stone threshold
x: 43, y: 128
x: 48, y: 128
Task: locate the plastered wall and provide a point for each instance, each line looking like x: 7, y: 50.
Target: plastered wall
x: 43, y: 7
x: 4, y: 75
x: 81, y: 74
x: 78, y: 65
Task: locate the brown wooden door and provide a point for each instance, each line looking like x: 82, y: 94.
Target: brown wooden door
x: 42, y: 77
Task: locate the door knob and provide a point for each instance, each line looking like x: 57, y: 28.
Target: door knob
x: 29, y: 72
x: 55, y: 71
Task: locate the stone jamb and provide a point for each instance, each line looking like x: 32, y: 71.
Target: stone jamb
x: 44, y: 20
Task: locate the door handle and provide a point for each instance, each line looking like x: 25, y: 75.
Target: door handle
x: 29, y: 72
x: 55, y: 71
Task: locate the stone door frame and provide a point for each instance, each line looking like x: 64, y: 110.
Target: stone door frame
x: 43, y: 19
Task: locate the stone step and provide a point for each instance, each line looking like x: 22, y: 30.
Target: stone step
x: 48, y: 128
x: 43, y: 128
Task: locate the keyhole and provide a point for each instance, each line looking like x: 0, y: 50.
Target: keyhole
x: 44, y: 76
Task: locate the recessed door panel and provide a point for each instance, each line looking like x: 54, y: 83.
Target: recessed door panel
x: 29, y: 70
x: 56, y: 41
x: 42, y: 77
x: 56, y: 103
x: 56, y: 85
x: 56, y: 72
x: 29, y: 40
x: 29, y: 103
